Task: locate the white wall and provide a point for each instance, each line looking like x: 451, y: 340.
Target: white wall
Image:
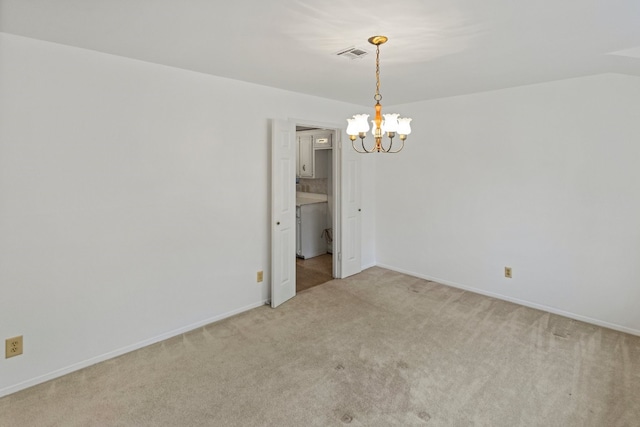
x: 542, y: 178
x: 134, y: 201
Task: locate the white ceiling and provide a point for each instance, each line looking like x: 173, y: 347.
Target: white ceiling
x: 436, y: 48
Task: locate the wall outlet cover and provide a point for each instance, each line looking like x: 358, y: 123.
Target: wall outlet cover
x: 507, y: 272
x: 13, y: 347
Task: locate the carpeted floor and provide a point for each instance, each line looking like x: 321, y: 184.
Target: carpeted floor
x: 377, y: 349
x: 313, y: 271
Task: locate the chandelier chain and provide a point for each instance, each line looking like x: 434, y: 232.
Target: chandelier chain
x: 377, y: 96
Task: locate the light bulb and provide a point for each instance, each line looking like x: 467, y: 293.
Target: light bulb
x: 404, y: 126
x: 373, y: 127
x: 352, y: 127
x: 362, y: 123
x: 390, y: 122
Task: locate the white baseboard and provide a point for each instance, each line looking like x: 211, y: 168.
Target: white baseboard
x: 553, y: 310
x: 110, y: 355
x: 373, y: 264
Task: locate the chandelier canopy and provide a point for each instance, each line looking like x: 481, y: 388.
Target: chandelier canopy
x: 358, y: 126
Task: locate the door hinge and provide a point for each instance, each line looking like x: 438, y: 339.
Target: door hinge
x: 339, y: 256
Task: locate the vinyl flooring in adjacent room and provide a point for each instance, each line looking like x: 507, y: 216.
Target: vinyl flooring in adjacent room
x: 313, y: 271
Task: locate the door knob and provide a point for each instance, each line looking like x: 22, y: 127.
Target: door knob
x: 278, y: 223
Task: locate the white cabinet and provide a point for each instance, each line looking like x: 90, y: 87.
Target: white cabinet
x: 313, y: 153
x: 322, y: 140
x: 305, y: 156
x: 311, y: 222
x: 321, y: 163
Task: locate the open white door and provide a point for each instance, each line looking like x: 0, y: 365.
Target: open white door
x: 283, y: 211
x: 350, y: 237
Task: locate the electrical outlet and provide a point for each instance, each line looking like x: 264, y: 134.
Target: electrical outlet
x: 507, y: 272
x: 13, y: 347
x: 259, y: 276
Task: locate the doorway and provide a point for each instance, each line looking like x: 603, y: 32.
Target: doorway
x: 345, y: 210
x: 315, y: 205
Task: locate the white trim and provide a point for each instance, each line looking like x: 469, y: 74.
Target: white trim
x: 314, y: 123
x: 336, y: 170
x: 112, y: 354
x: 542, y: 307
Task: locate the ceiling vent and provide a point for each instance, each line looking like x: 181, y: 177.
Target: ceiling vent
x: 352, y: 53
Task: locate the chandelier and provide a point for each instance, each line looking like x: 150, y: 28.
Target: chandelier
x: 358, y: 126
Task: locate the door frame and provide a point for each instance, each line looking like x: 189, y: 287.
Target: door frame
x: 339, y: 163
x: 340, y: 160
x: 336, y: 171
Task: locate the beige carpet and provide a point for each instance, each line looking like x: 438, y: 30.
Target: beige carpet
x: 377, y: 349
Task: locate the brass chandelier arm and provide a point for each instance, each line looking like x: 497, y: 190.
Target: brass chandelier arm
x: 363, y: 151
x: 390, y: 149
x: 395, y: 151
x: 376, y: 148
